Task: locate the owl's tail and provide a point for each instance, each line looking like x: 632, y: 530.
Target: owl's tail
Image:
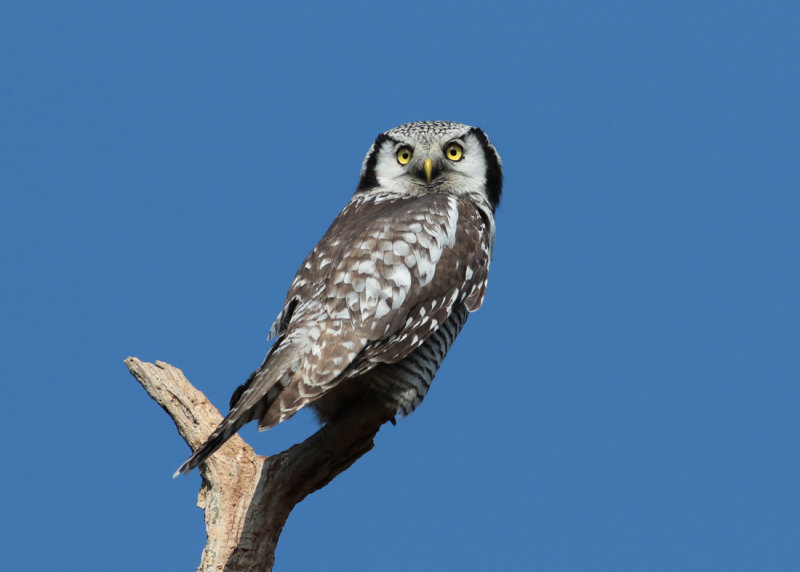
x: 250, y: 401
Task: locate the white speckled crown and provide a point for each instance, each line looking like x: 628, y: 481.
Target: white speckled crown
x: 429, y: 128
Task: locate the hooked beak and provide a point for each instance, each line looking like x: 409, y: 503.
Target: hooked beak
x: 428, y: 166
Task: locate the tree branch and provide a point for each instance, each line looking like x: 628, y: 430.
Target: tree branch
x: 247, y: 497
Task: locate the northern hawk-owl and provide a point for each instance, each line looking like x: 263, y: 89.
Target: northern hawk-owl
x: 377, y: 303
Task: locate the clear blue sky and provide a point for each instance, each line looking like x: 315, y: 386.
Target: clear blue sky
x: 628, y: 397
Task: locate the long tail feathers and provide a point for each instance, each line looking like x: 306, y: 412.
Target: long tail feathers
x: 261, y: 390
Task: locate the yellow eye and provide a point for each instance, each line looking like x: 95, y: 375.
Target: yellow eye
x: 404, y: 155
x: 454, y: 152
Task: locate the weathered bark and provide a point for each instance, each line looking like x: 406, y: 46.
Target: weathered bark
x: 247, y: 497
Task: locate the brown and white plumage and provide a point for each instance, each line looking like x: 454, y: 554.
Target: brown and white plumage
x: 377, y: 303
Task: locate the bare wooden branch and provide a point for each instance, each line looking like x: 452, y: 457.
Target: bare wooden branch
x: 247, y: 497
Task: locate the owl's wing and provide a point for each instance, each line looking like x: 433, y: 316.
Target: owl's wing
x: 385, y: 277
x: 403, y: 365
x: 447, y: 277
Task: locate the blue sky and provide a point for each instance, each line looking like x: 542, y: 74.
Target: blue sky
x: 626, y: 399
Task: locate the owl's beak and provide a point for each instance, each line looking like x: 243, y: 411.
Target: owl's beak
x: 428, y: 166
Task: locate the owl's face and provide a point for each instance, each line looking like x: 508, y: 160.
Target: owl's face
x: 434, y: 156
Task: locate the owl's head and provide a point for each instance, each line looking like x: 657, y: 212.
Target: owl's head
x: 431, y: 157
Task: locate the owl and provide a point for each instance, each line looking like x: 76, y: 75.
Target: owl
x: 377, y: 303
